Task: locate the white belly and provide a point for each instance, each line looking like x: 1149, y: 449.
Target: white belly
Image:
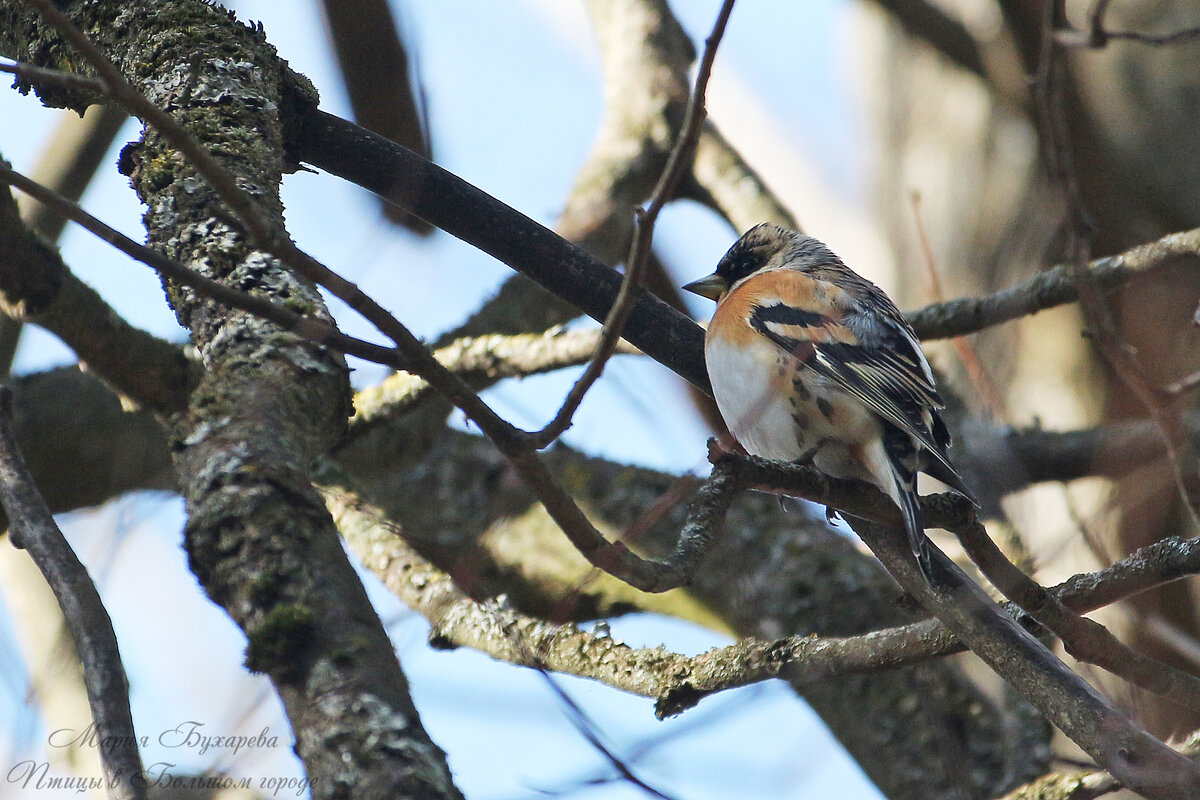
x: 755, y: 391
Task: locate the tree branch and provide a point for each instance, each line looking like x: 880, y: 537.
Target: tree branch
x: 928, y: 23
x: 33, y: 529
x: 1054, y: 287
x: 678, y: 682
x: 482, y: 362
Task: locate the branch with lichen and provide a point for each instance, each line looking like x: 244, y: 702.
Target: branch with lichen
x: 481, y: 361
x: 676, y: 681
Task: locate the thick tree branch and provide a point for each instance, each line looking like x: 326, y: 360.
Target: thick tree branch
x: 506, y: 634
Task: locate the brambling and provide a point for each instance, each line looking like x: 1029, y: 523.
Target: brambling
x: 811, y: 362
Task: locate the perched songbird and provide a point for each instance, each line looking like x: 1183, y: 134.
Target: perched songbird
x: 811, y: 362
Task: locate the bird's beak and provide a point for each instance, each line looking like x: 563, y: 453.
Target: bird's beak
x: 710, y: 286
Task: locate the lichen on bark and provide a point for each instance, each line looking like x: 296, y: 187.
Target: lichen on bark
x: 257, y: 536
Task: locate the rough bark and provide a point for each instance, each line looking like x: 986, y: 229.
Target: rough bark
x: 258, y: 536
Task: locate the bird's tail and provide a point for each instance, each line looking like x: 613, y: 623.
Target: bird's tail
x: 902, y: 461
x: 906, y: 497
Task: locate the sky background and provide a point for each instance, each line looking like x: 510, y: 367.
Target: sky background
x: 514, y: 99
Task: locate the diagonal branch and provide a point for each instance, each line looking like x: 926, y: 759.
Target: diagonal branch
x: 33, y: 529
x: 1084, y: 715
x: 926, y: 21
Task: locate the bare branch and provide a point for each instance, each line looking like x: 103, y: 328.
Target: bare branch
x: 33, y: 528
x: 679, y: 682
x: 464, y: 211
x: 1062, y: 696
x: 374, y: 65
x: 1068, y: 701
x: 313, y: 633
x: 1083, y: 638
x: 1054, y: 287
x: 1013, y: 458
x: 503, y: 633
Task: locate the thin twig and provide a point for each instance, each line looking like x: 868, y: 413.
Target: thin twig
x: 643, y: 233
x: 28, y: 73
x: 33, y: 529
x: 589, y: 730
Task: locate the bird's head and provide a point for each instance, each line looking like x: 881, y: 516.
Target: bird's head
x: 765, y: 246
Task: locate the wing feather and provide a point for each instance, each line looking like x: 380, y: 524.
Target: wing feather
x: 891, y: 378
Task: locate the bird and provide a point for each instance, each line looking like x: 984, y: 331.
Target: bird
x: 812, y: 363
